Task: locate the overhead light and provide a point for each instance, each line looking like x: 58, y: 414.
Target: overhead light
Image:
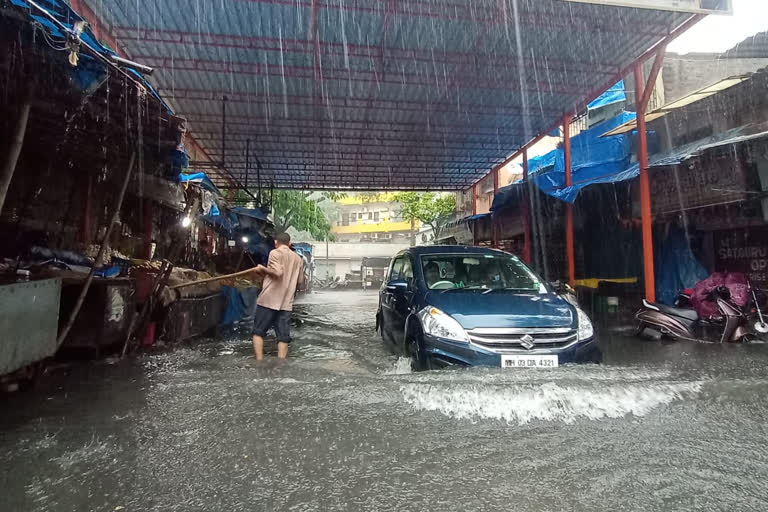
x: 186, y: 222
x: 244, y: 239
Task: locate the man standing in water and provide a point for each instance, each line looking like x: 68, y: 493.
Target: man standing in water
x: 282, y: 275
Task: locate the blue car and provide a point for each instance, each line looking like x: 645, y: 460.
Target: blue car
x: 472, y: 306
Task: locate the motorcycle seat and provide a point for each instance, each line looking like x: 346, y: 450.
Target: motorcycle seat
x: 688, y: 314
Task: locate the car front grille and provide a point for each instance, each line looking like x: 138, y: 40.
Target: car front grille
x: 511, y: 339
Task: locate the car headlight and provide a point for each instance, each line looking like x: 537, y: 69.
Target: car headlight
x: 586, y: 330
x: 441, y: 325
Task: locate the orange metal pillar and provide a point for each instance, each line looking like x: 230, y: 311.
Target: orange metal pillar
x: 569, y: 252
x: 526, y: 212
x: 645, y: 186
x: 494, y: 220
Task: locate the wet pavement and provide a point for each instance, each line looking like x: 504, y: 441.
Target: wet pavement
x: 343, y: 425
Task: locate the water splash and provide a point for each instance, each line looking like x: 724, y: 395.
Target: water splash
x: 401, y: 367
x: 548, y: 402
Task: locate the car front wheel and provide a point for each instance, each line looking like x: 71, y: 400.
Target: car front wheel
x: 414, y: 350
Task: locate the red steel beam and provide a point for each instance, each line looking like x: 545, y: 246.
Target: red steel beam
x: 569, y: 251
x: 418, y: 126
x: 345, y: 75
x: 351, y: 50
x: 526, y: 213
x: 459, y: 12
x: 342, y: 101
x: 655, y: 70
x: 645, y: 187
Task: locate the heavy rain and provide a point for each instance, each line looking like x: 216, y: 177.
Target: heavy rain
x: 383, y: 255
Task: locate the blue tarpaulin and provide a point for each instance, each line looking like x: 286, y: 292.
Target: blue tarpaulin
x: 68, y: 17
x: 594, y: 159
x: 613, y: 95
x: 200, y: 178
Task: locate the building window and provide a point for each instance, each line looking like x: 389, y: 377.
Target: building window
x: 376, y: 216
x: 345, y: 219
x: 370, y: 215
x: 360, y: 215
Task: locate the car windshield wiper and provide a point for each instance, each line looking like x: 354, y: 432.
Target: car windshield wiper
x: 510, y: 289
x: 472, y: 288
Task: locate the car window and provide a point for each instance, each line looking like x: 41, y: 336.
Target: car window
x: 397, y: 267
x: 479, y: 271
x: 406, y: 274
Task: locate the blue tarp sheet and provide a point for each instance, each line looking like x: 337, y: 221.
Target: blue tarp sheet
x: 68, y: 17
x: 202, y: 179
x: 241, y: 304
x: 594, y: 159
x: 611, y: 96
x: 676, y: 266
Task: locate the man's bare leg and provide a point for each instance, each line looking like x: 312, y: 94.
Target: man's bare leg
x: 282, y: 350
x: 258, y: 347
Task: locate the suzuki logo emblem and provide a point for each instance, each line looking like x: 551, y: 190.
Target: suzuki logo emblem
x: 527, y: 341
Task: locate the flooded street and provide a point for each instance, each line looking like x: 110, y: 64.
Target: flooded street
x: 343, y: 425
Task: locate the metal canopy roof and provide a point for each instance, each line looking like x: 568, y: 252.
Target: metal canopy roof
x: 355, y: 94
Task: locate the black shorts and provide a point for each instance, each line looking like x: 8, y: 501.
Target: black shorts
x: 266, y: 318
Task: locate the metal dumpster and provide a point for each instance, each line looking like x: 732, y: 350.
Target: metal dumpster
x: 105, y: 316
x: 29, y: 319
x: 193, y: 316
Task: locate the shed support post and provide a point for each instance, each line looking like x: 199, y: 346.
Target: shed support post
x: 494, y: 221
x: 569, y: 251
x: 526, y: 213
x: 474, y: 199
x: 641, y: 97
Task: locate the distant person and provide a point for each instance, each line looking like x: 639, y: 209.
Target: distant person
x: 431, y: 273
x: 283, y: 273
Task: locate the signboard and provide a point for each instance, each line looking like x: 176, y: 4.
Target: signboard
x: 743, y: 250
x: 697, y: 6
x: 709, y: 182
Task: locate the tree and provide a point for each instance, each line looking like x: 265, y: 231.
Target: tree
x: 432, y: 209
x: 300, y: 210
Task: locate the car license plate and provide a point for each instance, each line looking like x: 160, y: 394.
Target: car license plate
x: 524, y: 361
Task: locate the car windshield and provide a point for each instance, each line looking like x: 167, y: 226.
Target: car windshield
x: 478, y: 272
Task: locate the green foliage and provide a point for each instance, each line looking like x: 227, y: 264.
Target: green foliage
x: 300, y: 210
x: 429, y: 208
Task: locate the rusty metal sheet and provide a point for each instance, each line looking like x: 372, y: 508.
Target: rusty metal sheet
x: 29, y: 319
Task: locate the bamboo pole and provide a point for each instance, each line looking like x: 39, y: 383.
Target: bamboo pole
x: 89, y: 279
x: 212, y: 279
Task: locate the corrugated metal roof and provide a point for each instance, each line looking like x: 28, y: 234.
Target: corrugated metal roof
x: 424, y: 94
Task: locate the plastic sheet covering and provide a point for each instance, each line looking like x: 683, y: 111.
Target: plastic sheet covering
x: 676, y: 267
x: 83, y: 75
x: 201, y: 179
x: 701, y: 299
x: 609, y: 97
x: 594, y: 159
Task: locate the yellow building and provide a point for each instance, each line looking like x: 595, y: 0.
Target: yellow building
x: 359, y: 220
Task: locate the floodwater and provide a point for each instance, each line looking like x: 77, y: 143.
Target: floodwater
x: 343, y: 425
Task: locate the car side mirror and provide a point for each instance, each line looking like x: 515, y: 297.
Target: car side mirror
x: 398, y: 286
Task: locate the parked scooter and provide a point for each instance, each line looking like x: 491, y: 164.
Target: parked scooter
x: 732, y: 324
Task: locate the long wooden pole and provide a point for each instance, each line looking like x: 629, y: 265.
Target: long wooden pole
x: 15, y: 150
x: 107, y: 234
x: 212, y: 279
